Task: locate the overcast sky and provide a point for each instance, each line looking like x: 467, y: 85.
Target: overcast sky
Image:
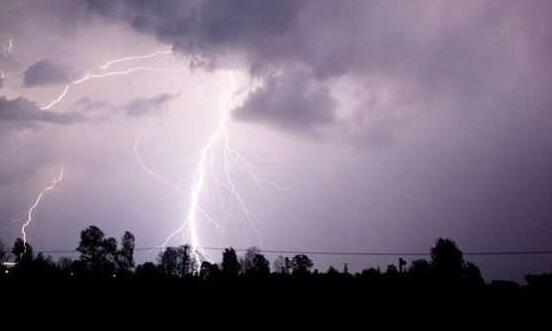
x: 361, y: 125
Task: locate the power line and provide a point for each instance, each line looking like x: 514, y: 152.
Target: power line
x: 339, y: 253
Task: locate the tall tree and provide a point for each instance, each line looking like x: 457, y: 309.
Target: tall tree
x: 168, y: 262
x: 247, y: 262
x: 446, y: 259
x: 23, y: 252
x: 97, y: 254
x: 186, y: 263
x: 282, y: 265
x: 254, y: 263
x: 125, y: 256
x: 301, y: 264
x: 230, y: 264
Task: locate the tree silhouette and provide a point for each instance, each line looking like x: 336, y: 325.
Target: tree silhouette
x: 168, y: 262
x: 230, y: 265
x: 148, y: 271
x: 248, y: 257
x: 255, y: 264
x: 177, y: 262
x: 282, y: 265
x: 208, y: 271
x: 125, y: 256
x: 23, y: 252
x: 260, y: 267
x: 97, y: 254
x: 472, y: 275
x: 447, y: 260
x: 101, y: 258
x: 301, y: 264
x: 186, y: 263
x: 420, y: 269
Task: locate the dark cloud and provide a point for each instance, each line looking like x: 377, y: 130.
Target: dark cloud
x: 293, y: 101
x: 25, y: 113
x: 466, y: 51
x: 145, y: 106
x: 210, y: 27
x: 44, y: 72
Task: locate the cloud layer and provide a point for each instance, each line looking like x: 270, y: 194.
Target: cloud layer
x: 44, y: 72
x: 469, y: 51
x: 25, y: 113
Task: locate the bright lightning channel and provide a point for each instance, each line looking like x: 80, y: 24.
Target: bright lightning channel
x: 105, y: 66
x: 87, y: 77
x: 206, y: 166
x: 36, y: 202
x: 189, y: 226
x: 133, y: 58
x: 190, y: 222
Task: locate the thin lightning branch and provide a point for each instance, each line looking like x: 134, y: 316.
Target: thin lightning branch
x: 40, y: 196
x: 133, y: 58
x: 87, y: 77
x: 8, y: 49
x: 143, y: 164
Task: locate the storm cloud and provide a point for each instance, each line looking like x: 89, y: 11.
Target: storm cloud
x: 292, y: 101
x: 44, y: 72
x: 145, y: 106
x: 473, y: 50
x: 25, y: 113
x: 409, y: 120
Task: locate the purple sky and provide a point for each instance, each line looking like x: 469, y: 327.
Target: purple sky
x: 385, y: 124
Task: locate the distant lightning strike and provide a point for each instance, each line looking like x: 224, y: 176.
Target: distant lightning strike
x: 8, y: 49
x: 36, y: 202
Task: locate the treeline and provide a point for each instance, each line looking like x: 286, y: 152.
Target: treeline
x: 104, y: 258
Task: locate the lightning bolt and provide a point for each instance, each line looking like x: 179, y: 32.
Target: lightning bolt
x: 36, y: 202
x: 206, y: 166
x: 8, y: 49
x: 134, y: 58
x: 87, y: 77
x: 190, y: 222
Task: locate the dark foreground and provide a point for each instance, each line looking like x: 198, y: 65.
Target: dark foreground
x: 104, y: 280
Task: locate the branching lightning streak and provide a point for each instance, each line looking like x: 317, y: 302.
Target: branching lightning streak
x: 206, y: 162
x: 219, y: 137
x: 133, y: 58
x: 87, y: 77
x: 36, y: 202
x: 143, y: 164
x: 190, y: 221
x: 29, y: 216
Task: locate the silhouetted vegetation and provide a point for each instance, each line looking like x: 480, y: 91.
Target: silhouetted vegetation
x: 104, y: 260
